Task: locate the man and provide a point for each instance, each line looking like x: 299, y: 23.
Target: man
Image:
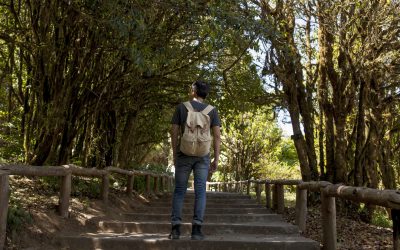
x: 184, y: 164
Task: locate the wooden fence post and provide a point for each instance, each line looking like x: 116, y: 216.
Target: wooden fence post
x: 396, y: 228
x: 301, y: 208
x: 328, y: 213
x: 281, y: 198
x: 274, y: 197
x: 258, y: 192
x: 155, y: 184
x: 4, y: 196
x: 248, y: 187
x: 167, y: 184
x: 129, y: 185
x: 162, y: 184
x: 105, y: 187
x: 65, y: 195
x: 268, y: 195
x: 148, y: 184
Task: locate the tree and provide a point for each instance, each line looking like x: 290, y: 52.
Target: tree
x: 283, y: 62
x: 92, y: 75
x: 249, y: 139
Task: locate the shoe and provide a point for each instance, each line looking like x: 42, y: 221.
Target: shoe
x: 175, y: 232
x: 196, y: 233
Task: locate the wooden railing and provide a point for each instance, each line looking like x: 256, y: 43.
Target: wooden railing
x: 162, y: 182
x: 385, y: 198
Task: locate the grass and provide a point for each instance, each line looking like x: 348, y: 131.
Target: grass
x: 381, y: 219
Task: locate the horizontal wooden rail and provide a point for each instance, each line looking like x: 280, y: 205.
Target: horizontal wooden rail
x: 25, y: 170
x: 66, y: 172
x: 385, y: 198
x: 226, y: 186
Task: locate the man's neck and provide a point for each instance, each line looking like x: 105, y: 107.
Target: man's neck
x: 198, y: 99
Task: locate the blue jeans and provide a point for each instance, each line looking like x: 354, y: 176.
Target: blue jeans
x: 184, y: 166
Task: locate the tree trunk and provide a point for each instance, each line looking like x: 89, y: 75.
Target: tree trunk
x: 306, y: 102
x: 43, y: 149
x: 360, y: 140
x: 340, y: 174
x: 297, y: 137
x: 125, y: 145
x: 326, y: 111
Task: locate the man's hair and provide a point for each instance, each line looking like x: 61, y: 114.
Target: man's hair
x: 201, y: 88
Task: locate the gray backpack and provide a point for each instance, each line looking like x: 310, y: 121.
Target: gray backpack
x: 196, y: 138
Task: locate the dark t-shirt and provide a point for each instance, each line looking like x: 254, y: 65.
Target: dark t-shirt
x: 180, y: 114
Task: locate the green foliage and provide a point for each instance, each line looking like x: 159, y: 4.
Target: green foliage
x: 380, y: 218
x: 253, y: 148
x: 283, y: 162
x: 80, y: 186
x: 287, y: 153
x: 139, y: 183
x: 10, y: 139
x: 86, y: 187
x: 10, y: 149
x: 17, y: 216
x: 49, y: 185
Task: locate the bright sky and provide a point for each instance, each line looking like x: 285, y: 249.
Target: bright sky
x: 284, y: 123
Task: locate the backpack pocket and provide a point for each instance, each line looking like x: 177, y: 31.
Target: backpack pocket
x: 193, y: 145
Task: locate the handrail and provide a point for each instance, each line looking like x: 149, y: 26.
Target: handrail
x: 386, y: 198
x: 65, y: 172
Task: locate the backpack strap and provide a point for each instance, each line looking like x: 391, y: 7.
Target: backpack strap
x: 188, y: 106
x: 207, y: 110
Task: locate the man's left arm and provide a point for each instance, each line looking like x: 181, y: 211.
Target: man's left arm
x: 217, y: 145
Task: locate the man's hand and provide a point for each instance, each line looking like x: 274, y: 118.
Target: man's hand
x: 213, y: 166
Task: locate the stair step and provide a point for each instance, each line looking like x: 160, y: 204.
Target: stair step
x: 238, y: 218
x: 209, y: 210
x: 211, y: 242
x: 214, y: 195
x: 232, y: 221
x: 212, y: 205
x: 271, y: 228
x: 210, y: 202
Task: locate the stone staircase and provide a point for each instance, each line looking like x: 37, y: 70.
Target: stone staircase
x: 232, y: 221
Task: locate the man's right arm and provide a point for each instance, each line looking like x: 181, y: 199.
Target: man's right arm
x: 174, y: 140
